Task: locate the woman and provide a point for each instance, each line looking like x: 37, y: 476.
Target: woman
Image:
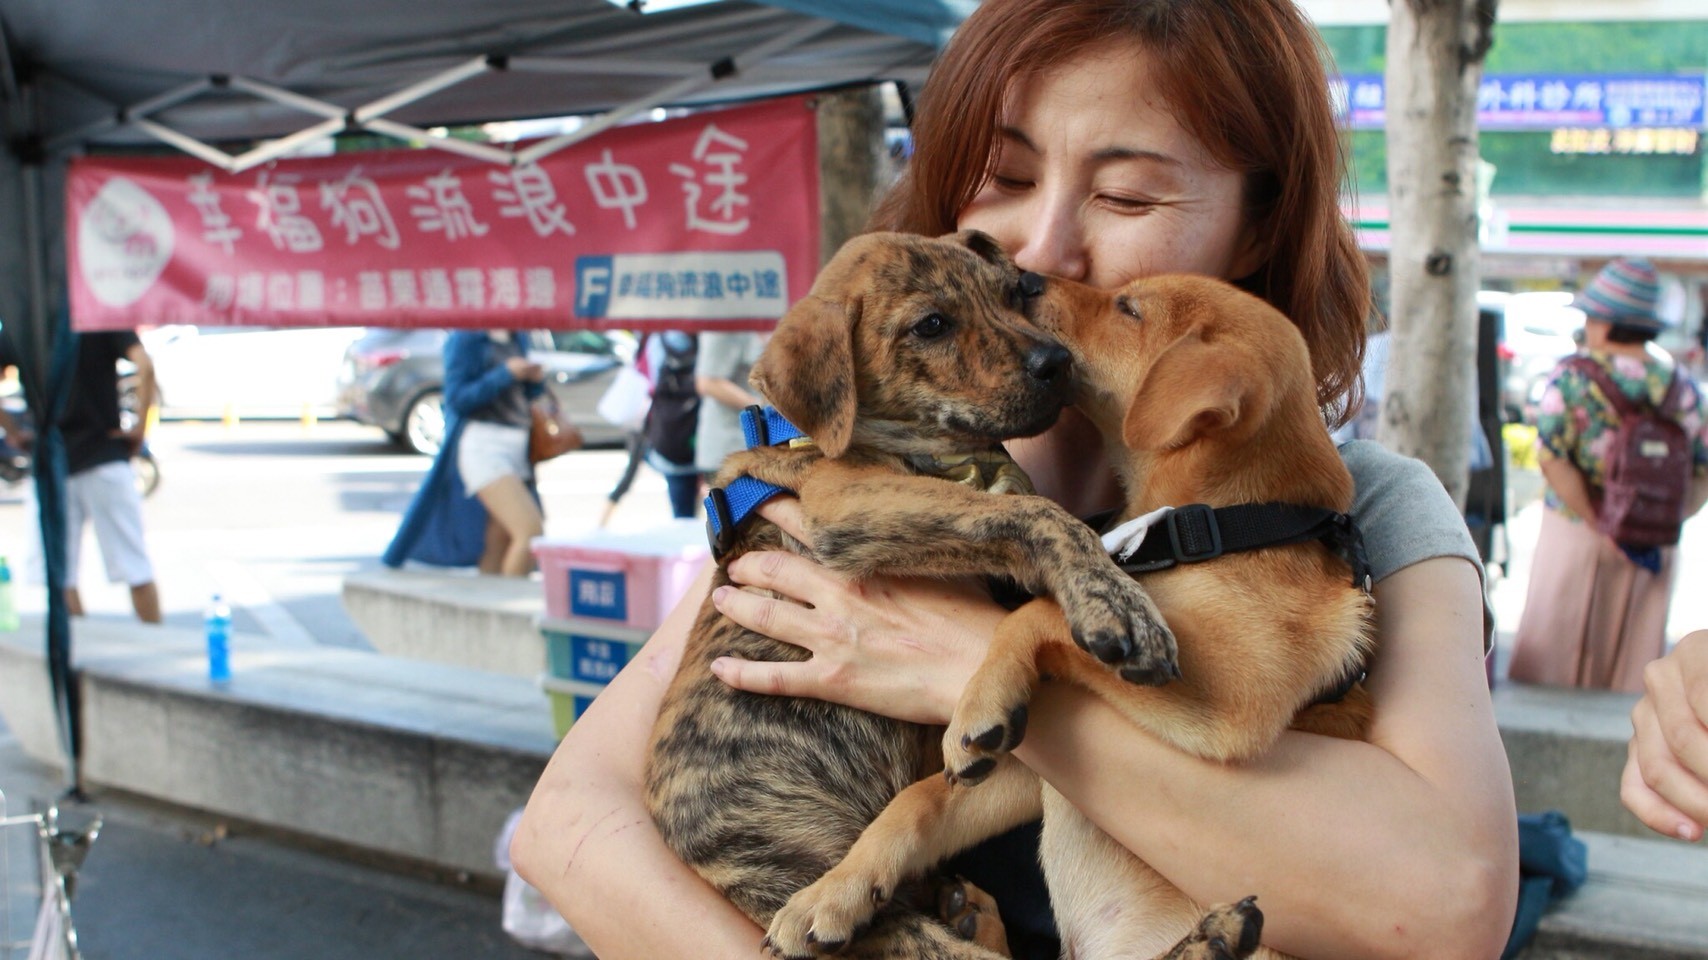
x: 1595, y: 611
x: 1104, y: 140
x: 489, y: 383
x: 1666, y: 771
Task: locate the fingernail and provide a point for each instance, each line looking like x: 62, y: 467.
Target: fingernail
x: 718, y: 666
x: 719, y: 594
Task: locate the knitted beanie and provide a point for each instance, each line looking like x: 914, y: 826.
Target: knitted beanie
x: 1625, y: 293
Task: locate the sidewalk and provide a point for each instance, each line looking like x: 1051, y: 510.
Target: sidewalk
x: 165, y: 884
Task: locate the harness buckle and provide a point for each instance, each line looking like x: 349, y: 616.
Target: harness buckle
x: 755, y: 430
x: 1193, y: 533
x: 720, y: 523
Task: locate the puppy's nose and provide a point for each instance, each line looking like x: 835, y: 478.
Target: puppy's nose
x: 1049, y: 363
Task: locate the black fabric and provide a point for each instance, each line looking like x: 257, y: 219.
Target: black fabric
x: 1007, y: 868
x: 1195, y: 533
x: 92, y: 411
x: 1551, y: 864
x: 675, y: 410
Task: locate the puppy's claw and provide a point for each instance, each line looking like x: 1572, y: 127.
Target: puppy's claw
x: 974, y: 772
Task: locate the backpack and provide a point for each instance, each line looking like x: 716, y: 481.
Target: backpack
x: 675, y: 403
x: 1647, y: 479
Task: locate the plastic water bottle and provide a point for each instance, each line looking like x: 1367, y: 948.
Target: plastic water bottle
x: 218, y: 621
x: 8, y: 606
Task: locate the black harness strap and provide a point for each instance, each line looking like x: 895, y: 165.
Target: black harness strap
x: 1198, y: 532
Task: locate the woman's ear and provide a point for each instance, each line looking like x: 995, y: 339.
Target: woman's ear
x: 807, y: 370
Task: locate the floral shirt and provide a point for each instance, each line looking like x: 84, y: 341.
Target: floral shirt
x: 1576, y: 423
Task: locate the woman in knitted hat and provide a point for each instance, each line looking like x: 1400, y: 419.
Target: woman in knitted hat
x: 1595, y: 612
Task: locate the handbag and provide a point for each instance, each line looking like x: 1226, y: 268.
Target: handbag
x: 551, y: 434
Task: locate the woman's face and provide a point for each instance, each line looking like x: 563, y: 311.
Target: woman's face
x: 1096, y: 182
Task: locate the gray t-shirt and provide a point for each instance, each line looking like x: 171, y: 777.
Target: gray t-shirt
x: 730, y: 356
x: 1405, y: 514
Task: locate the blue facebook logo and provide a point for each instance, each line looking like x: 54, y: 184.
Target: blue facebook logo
x: 592, y: 286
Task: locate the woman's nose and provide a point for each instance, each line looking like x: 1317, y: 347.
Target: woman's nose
x: 1053, y: 242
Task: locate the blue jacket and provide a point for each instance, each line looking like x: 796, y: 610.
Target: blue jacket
x: 445, y: 525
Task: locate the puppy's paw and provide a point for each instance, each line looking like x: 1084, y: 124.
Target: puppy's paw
x: 971, y: 913
x: 827, y: 915
x: 979, y: 735
x: 989, y: 720
x: 1115, y: 620
x: 1230, y: 931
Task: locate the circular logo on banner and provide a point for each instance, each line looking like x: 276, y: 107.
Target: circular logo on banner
x: 124, y: 239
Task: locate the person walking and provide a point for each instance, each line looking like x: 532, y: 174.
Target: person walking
x: 1595, y: 609
x: 665, y: 440
x: 478, y: 506
x: 100, y: 485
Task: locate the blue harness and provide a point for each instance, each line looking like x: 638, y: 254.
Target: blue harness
x: 727, y: 508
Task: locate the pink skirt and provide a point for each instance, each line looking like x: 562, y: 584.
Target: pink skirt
x: 1592, y: 618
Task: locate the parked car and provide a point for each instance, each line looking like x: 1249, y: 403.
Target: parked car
x: 259, y: 372
x: 394, y: 379
x: 1535, y: 331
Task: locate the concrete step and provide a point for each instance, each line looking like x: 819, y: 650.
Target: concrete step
x: 415, y: 760
x: 1566, y: 749
x: 481, y: 622
x: 1646, y: 899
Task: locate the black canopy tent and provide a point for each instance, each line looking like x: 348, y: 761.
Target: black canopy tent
x: 269, y: 76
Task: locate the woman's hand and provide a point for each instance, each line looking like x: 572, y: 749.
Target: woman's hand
x: 524, y: 369
x: 1666, y: 770
x: 902, y: 648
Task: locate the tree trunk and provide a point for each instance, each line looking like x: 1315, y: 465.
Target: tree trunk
x: 1435, y: 63
x: 853, y: 165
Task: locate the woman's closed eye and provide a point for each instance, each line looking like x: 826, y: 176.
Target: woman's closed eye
x: 1126, y: 203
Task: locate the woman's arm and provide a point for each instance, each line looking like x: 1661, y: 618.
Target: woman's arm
x: 1568, y: 484
x: 588, y: 843
x: 1405, y: 846
x: 469, y: 383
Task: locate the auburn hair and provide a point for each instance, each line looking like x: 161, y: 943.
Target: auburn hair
x: 1245, y: 77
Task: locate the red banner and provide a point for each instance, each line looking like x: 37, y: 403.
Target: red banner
x: 704, y: 221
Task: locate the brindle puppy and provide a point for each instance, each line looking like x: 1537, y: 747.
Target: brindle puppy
x: 1203, y: 394
x: 907, y: 353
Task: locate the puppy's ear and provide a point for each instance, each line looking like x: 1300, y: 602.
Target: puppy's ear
x: 985, y: 246
x: 1193, y: 391
x: 807, y: 370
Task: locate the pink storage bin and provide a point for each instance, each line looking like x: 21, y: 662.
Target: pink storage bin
x: 632, y: 579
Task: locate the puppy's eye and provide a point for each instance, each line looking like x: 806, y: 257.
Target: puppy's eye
x: 933, y: 326
x: 1128, y: 307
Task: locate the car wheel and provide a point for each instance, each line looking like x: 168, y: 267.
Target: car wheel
x: 147, y: 472
x: 424, y: 424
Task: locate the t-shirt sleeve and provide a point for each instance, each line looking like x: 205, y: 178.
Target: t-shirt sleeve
x: 1406, y: 516
x: 1561, y: 414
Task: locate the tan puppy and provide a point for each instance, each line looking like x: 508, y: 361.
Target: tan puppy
x: 910, y: 358
x: 1203, y: 395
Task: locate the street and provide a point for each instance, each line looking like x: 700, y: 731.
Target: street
x: 273, y: 514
